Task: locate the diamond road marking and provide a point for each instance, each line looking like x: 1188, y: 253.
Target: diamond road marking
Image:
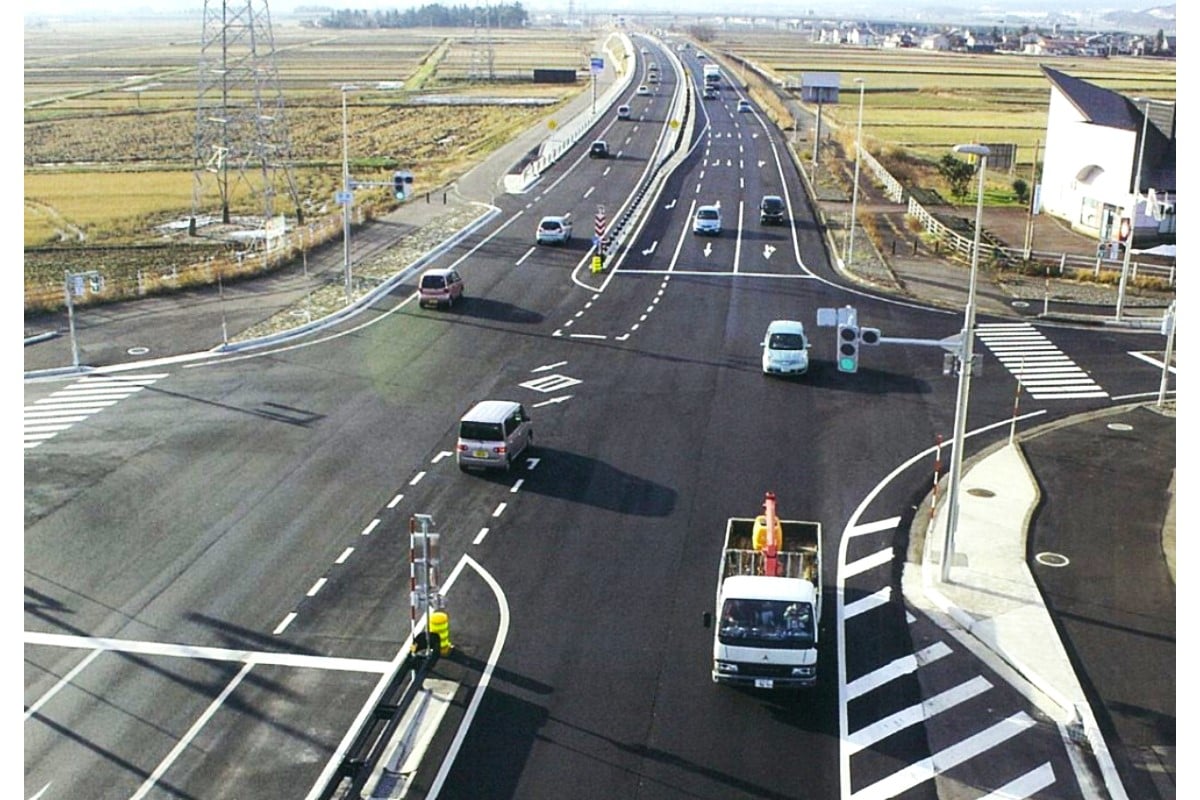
x: 551, y: 383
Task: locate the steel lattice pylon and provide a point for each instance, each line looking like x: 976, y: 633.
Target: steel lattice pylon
x: 242, y: 144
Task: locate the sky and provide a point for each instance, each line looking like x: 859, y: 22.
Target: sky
x: 825, y: 7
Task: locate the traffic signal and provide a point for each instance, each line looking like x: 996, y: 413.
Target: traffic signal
x: 1123, y: 230
x: 869, y: 335
x: 402, y: 184
x: 847, y: 344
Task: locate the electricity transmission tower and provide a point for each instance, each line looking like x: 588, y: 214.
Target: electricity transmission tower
x: 483, y: 52
x: 241, y: 139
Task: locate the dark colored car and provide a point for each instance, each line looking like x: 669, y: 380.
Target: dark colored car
x: 599, y: 149
x: 772, y: 210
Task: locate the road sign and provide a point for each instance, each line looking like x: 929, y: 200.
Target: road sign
x: 597, y: 65
x: 344, y: 198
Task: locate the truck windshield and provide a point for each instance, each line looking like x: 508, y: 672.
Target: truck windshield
x: 766, y: 623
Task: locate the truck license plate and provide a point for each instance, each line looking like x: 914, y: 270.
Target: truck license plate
x: 764, y: 683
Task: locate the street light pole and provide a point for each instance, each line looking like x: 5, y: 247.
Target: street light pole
x: 346, y: 195
x: 1133, y: 201
x: 857, y: 158
x: 965, y: 363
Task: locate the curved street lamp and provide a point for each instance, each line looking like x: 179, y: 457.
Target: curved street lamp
x: 965, y: 363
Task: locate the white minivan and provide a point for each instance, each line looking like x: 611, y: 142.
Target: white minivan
x: 785, y: 348
x: 493, y: 434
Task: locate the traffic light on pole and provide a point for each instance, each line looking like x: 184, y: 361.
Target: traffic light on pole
x: 398, y: 186
x: 847, y: 341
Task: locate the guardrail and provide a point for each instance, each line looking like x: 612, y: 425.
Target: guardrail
x: 564, y: 138
x: 961, y: 246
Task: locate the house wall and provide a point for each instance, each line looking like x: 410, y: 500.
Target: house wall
x: 1072, y: 145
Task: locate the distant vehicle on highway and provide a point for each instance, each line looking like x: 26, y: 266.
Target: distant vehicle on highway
x: 553, y: 230
x: 643, y: 89
x: 707, y: 221
x: 440, y: 287
x: 744, y: 105
x: 599, y: 149
x: 624, y: 112
x: 711, y: 93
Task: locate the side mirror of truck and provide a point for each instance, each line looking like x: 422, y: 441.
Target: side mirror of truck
x: 707, y: 619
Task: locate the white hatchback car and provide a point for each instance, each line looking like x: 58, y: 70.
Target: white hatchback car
x: 707, y: 221
x: 553, y: 230
x: 785, y: 348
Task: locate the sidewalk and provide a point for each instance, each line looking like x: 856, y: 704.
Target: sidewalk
x: 991, y: 596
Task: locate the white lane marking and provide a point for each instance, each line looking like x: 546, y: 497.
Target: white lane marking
x: 442, y: 455
x: 549, y: 367
x: 48, y: 402
x: 901, y: 666
x: 417, y: 478
x: 186, y: 740
x: 265, y: 657
x: 876, y: 559
x: 62, y: 682
x: 1025, y: 786
x: 915, y: 714
x: 282, y: 626
x: 588, y: 193
x: 395, y: 501
x: 878, y: 526
x: 479, y: 537
x: 499, y: 510
x: 316, y: 587
x: 516, y: 487
x: 367, y: 530
x: 345, y: 554
x: 871, y: 601
x: 940, y: 762
x: 552, y: 401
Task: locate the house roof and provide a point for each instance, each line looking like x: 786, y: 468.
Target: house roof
x: 1096, y: 104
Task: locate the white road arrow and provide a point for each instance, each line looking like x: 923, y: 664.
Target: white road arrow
x: 549, y: 367
x: 650, y: 249
x: 564, y: 398
x: 672, y: 203
x: 707, y: 249
x: 760, y: 163
x: 767, y: 251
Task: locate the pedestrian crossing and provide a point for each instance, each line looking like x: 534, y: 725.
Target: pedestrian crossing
x: 1043, y: 370
x: 50, y: 416
x: 917, y: 709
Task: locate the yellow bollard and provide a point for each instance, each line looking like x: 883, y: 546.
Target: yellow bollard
x: 439, y: 624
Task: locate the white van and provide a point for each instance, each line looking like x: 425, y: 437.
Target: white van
x: 493, y: 434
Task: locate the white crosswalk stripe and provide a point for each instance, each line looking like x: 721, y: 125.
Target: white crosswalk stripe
x: 52, y: 415
x: 1044, y: 371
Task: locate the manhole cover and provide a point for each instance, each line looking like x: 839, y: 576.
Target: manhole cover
x: 1120, y: 426
x: 1052, y: 559
x: 981, y: 492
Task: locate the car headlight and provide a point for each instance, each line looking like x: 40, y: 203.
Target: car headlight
x: 725, y: 666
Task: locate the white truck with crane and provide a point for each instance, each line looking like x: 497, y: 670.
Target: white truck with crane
x: 768, y: 602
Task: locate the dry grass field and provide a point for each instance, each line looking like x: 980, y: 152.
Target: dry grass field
x: 926, y: 102
x: 110, y: 120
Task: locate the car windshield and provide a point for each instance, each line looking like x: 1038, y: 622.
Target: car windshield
x: 551, y: 225
x: 433, y: 282
x: 773, y: 204
x: 786, y: 341
x: 708, y: 213
x: 766, y: 623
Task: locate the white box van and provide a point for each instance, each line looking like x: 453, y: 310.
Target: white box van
x: 493, y: 434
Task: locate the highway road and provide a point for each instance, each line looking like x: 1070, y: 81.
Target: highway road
x: 216, y: 571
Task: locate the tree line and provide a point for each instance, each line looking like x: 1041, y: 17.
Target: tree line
x: 512, y: 15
